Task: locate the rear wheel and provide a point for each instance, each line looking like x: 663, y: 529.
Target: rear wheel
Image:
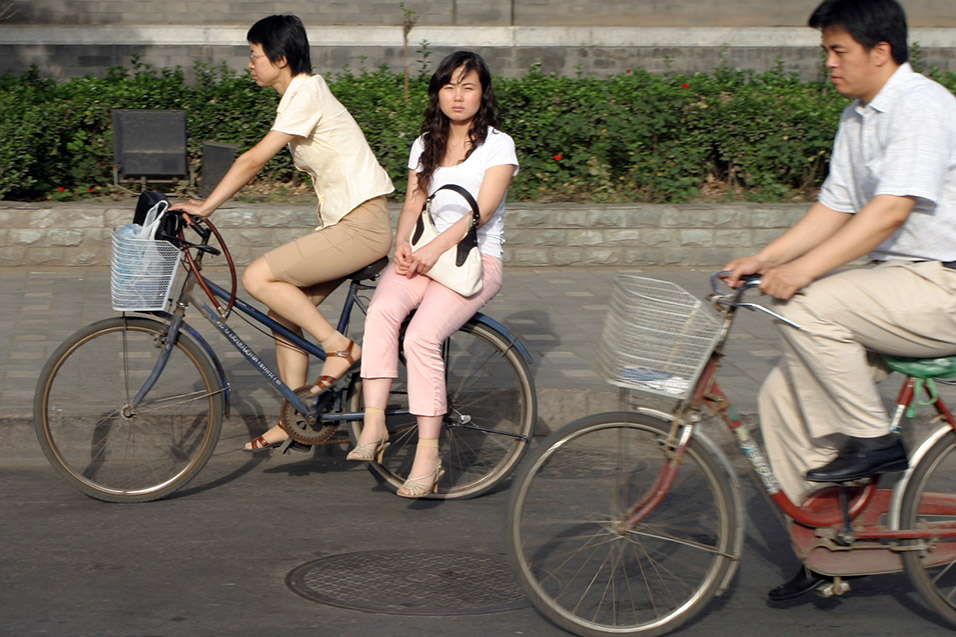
x: 490, y: 419
x: 582, y: 563
x: 94, y: 438
x: 929, y: 501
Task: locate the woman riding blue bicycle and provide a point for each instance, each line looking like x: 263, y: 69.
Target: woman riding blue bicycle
x: 354, y: 230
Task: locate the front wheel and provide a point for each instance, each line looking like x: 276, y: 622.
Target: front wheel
x: 929, y: 502
x: 490, y: 420
x: 94, y: 437
x: 581, y: 562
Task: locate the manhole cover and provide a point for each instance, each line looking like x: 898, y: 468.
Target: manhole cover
x: 410, y: 583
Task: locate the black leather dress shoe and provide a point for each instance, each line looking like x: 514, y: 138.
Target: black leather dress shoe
x: 862, y: 457
x: 802, y: 583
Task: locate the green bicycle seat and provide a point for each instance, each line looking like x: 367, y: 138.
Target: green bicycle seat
x: 943, y: 367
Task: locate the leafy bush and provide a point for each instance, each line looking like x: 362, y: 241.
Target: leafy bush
x: 628, y: 137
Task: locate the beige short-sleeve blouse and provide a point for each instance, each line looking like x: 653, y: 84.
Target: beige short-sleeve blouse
x: 330, y: 147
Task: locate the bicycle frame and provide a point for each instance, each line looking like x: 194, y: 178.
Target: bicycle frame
x: 177, y: 323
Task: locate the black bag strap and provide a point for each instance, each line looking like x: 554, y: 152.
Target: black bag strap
x: 470, y: 240
x: 475, y: 216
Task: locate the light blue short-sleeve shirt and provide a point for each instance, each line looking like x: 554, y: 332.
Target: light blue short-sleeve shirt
x: 902, y: 143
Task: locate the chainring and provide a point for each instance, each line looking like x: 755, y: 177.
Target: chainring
x: 299, y: 426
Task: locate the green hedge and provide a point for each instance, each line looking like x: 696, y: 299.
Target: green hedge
x: 629, y: 137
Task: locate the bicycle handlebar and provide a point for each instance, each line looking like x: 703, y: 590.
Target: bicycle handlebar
x: 733, y: 299
x: 749, y: 281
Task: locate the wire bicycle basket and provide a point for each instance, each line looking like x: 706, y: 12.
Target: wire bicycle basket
x: 142, y: 273
x: 657, y: 337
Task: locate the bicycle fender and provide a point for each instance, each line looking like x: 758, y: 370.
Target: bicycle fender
x: 710, y: 446
x: 513, y: 341
x: 196, y: 336
x: 896, y: 500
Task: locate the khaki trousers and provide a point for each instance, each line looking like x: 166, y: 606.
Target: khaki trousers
x: 826, y: 382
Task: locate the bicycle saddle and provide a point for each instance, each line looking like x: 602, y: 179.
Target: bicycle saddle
x: 370, y: 271
x: 942, y: 367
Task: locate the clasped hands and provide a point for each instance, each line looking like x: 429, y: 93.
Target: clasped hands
x: 409, y: 263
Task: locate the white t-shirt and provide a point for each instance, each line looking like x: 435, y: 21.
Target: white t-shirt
x: 902, y: 143
x: 330, y: 147
x: 448, y: 206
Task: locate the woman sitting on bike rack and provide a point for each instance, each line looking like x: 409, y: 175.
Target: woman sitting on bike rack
x: 459, y: 145
x: 354, y: 231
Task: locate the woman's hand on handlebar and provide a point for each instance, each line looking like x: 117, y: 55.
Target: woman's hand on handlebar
x: 741, y: 267
x: 192, y: 208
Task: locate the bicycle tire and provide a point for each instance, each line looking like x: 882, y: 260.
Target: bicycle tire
x: 933, y: 570
x: 581, y: 565
x: 91, y: 437
x: 491, y: 415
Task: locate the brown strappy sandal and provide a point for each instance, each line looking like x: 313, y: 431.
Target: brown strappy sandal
x: 326, y: 381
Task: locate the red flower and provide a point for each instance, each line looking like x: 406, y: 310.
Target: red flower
x: 60, y: 188
x: 558, y: 157
x: 628, y: 71
x: 89, y: 190
x: 685, y: 85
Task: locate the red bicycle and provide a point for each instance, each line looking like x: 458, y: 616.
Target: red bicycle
x: 627, y: 523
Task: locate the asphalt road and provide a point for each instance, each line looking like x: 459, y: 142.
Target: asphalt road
x: 215, y: 558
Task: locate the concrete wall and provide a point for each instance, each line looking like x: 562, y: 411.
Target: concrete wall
x: 536, y: 235
x: 67, y: 38
x: 643, y: 13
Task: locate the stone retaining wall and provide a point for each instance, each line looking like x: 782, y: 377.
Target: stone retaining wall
x: 537, y: 235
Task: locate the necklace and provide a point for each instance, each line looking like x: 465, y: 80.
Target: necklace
x: 462, y: 144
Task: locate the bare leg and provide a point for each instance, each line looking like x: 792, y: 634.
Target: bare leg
x: 295, y: 307
x: 283, y: 298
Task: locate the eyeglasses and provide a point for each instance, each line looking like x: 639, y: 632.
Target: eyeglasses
x: 253, y: 57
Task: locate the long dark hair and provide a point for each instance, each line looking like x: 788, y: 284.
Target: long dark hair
x: 283, y: 36
x: 869, y: 22
x: 436, y: 126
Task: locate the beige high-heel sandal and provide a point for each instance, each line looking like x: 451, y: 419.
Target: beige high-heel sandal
x: 325, y: 381
x: 419, y: 486
x: 370, y: 451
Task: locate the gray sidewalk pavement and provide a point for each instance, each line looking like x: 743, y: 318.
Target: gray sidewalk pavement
x: 558, y: 313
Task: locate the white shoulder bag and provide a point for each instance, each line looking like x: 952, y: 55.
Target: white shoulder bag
x: 459, y: 267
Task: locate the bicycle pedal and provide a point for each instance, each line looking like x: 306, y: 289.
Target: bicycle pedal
x: 835, y: 588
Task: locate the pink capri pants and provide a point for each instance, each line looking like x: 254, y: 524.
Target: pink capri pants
x: 440, y: 313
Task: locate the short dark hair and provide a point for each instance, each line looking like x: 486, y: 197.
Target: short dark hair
x: 283, y: 36
x: 869, y: 22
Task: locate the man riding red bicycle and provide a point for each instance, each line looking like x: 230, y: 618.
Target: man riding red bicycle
x: 890, y: 196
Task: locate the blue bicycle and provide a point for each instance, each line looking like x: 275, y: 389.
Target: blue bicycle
x: 130, y: 408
